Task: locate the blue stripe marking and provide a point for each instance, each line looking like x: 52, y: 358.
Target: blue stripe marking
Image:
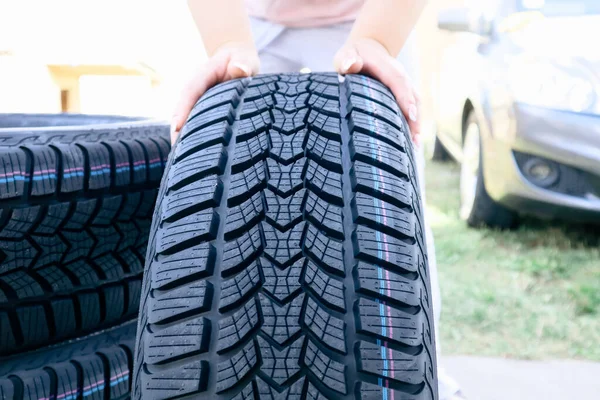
x: 103, y: 171
x: 384, y: 393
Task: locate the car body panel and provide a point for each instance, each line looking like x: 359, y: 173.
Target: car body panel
x: 482, y: 73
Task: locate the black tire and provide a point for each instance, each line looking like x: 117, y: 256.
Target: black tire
x: 486, y: 212
x: 266, y: 273
x: 439, y: 151
x: 76, y: 204
x: 95, y: 367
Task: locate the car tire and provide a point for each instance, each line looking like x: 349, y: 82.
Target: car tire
x: 77, y: 194
x: 439, y: 151
x: 287, y: 256
x: 477, y: 207
x: 94, y: 367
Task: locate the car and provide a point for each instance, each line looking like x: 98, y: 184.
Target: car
x: 518, y: 106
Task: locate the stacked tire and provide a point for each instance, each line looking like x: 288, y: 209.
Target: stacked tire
x: 287, y: 257
x: 77, y: 195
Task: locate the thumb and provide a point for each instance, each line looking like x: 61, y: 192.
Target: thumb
x: 242, y: 65
x: 348, y: 61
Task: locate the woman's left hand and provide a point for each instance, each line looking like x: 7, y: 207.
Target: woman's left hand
x: 369, y: 57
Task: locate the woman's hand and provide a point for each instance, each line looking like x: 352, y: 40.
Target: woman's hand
x: 369, y: 57
x: 230, y: 61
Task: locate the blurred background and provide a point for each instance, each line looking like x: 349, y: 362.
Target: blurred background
x: 511, y: 103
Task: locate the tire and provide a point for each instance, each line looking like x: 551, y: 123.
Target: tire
x: 439, y: 151
x: 76, y: 203
x: 481, y: 210
x: 95, y: 367
x: 266, y: 273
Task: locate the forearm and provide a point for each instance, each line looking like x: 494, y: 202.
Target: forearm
x: 389, y: 22
x: 220, y: 22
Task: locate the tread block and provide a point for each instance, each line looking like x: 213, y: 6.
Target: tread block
x: 72, y: 173
x: 327, y: 184
x: 240, y: 218
x: 235, y: 329
x: 294, y: 392
x: 44, y: 175
x: 325, y: 250
x: 283, y: 248
x: 253, y: 126
x: 289, y: 104
x: 236, y: 290
x: 192, y: 263
x: 177, y: 341
x: 184, y: 380
x: 210, y: 161
x: 284, y: 212
x: 384, y: 216
x: 324, y: 151
x: 241, y: 252
x: 324, y: 105
x: 372, y: 126
x: 376, y: 109
x: 195, y: 196
x: 282, y: 284
x: 326, y: 327
x: 328, y: 371
x: 326, y: 125
x: 327, y: 216
x: 187, y: 231
x: 325, y: 90
x: 389, y: 323
x: 256, y: 105
x: 380, y: 248
x: 392, y: 365
x: 379, y: 153
x: 280, y: 366
x: 178, y: 303
x: 99, y: 165
x: 213, y: 135
x: 244, y: 184
x: 250, y: 151
x: 13, y: 172
x: 329, y: 290
x: 287, y: 148
x: 285, y: 179
x: 386, y: 285
x: 281, y: 323
x: 289, y: 123
x: 382, y: 184
x: 197, y: 122
x: 230, y: 372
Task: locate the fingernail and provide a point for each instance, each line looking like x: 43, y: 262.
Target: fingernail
x: 246, y: 69
x: 173, y: 127
x: 347, y: 64
x: 412, y: 113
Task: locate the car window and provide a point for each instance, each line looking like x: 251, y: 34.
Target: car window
x: 562, y: 7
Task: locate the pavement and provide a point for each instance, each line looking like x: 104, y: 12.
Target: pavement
x: 484, y: 378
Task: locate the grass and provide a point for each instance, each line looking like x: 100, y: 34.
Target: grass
x: 532, y: 293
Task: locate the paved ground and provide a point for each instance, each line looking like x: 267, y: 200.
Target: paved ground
x: 501, y: 379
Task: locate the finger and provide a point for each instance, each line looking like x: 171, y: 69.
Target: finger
x: 206, y: 78
x: 242, y: 65
x: 348, y: 61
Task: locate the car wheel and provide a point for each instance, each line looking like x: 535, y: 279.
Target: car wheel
x: 439, y: 151
x: 287, y: 257
x: 476, y: 206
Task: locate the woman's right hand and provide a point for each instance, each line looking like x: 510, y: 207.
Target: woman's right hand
x: 230, y: 61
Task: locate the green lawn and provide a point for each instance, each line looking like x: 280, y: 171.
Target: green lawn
x: 533, y: 293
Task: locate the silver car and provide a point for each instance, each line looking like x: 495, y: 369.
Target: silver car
x: 519, y: 107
